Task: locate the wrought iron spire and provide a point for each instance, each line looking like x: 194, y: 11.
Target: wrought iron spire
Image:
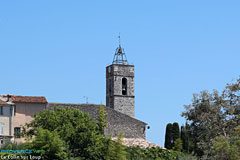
x: 120, y: 56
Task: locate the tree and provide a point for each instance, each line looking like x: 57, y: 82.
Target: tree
x: 227, y: 147
x: 101, y: 119
x: 119, y: 149
x: 172, y: 133
x: 177, y: 145
x: 175, y: 131
x: 186, y: 137
x: 78, y: 131
x: 51, y: 144
x: 211, y: 115
x: 168, y: 137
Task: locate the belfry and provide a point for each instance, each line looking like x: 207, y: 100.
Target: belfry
x: 120, y: 84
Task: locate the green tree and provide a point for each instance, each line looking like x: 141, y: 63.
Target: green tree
x: 79, y: 132
x: 101, y: 119
x: 177, y: 145
x: 51, y: 144
x: 211, y: 115
x: 119, y: 149
x: 206, y: 120
x: 175, y: 131
x: 186, y: 138
x: 168, y: 137
x: 227, y: 147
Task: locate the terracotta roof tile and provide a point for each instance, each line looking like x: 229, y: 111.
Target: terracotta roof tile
x: 2, y: 102
x: 27, y: 99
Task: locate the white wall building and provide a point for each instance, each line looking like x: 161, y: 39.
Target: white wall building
x: 6, y: 120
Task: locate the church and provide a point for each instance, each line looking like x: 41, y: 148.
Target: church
x: 16, y: 111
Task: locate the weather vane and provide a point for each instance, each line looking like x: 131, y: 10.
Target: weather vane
x: 119, y: 39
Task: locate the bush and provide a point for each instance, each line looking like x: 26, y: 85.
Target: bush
x: 156, y: 153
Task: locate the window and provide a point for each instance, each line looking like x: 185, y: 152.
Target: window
x: 17, y: 132
x: 110, y: 86
x: 1, y: 110
x: 1, y: 128
x: 124, y: 86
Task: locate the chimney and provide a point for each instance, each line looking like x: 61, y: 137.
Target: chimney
x: 8, y: 98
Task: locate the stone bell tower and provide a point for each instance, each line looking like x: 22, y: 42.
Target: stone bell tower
x: 120, y: 84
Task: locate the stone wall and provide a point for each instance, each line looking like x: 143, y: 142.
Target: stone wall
x: 117, y: 122
x: 114, y: 96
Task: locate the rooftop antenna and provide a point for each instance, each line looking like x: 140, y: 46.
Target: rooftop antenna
x: 120, y: 56
x: 86, y: 99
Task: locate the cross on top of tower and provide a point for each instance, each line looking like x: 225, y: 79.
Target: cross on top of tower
x: 120, y: 56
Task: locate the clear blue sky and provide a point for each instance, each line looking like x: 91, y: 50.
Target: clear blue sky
x: 59, y: 49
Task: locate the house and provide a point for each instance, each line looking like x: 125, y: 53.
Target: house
x: 6, y: 120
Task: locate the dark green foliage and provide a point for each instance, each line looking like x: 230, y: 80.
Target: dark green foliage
x: 185, y: 156
x: 168, y: 137
x: 13, y: 146
x: 175, y: 131
x: 137, y: 153
x: 172, y: 134
x: 51, y: 143
x: 75, y: 128
x: 177, y: 145
x: 186, y: 138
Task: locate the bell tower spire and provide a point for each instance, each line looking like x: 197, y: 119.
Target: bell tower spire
x: 120, y: 56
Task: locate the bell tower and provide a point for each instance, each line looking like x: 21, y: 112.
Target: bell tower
x: 120, y: 84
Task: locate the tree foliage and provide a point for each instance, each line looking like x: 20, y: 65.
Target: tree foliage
x: 119, y: 149
x: 177, y: 145
x: 79, y: 132
x: 212, y: 115
x: 51, y: 143
x: 186, y: 137
x: 168, y: 137
x: 171, y: 135
x: 227, y: 147
x: 101, y: 119
x: 175, y: 131
x: 156, y: 153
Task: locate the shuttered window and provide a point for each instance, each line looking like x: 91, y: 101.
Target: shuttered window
x: 1, y: 128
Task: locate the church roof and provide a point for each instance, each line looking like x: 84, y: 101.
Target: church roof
x: 92, y: 109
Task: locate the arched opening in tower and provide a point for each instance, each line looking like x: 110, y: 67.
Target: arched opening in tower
x: 124, y: 86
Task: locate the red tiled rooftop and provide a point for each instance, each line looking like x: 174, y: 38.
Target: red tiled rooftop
x: 26, y: 99
x: 2, y: 102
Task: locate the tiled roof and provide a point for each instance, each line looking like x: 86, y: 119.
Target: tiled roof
x: 2, y: 102
x: 142, y: 143
x: 94, y: 108
x: 28, y: 99
x: 25, y: 99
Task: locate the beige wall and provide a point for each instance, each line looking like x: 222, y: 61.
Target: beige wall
x: 24, y: 114
x: 25, y: 111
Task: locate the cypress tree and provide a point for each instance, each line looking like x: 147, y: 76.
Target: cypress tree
x: 168, y: 137
x: 175, y: 131
x: 183, y: 137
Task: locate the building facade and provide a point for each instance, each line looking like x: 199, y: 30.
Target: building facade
x: 17, y: 111
x: 6, y: 120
